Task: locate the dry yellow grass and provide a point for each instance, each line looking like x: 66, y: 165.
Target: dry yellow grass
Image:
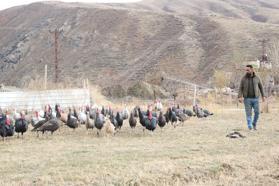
x: 39, y: 84
x: 99, y: 99
x: 196, y: 154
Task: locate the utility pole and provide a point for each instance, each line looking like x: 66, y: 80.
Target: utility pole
x: 266, y: 73
x: 56, y: 54
x: 263, y: 42
x: 56, y: 61
x: 264, y: 57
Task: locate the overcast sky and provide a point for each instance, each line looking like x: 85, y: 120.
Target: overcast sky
x: 10, y: 3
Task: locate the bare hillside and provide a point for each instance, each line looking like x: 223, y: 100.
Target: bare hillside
x: 125, y: 43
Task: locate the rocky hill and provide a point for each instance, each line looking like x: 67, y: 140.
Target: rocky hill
x: 123, y: 44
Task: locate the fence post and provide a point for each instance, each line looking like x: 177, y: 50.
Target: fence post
x: 195, y: 94
x: 45, y: 82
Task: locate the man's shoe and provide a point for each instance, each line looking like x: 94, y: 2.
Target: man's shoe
x: 254, y: 126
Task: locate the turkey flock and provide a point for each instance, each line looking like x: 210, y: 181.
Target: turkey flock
x: 105, y: 119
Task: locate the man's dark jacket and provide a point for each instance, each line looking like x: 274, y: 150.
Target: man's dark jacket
x: 244, y: 86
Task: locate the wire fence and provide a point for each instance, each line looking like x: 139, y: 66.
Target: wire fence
x: 38, y: 99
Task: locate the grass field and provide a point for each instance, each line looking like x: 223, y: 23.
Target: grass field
x: 197, y: 153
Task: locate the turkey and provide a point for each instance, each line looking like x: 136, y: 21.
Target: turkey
x: 63, y: 116
x: 9, y: 126
x: 28, y: 116
x: 110, y: 111
x: 198, y: 111
x: 182, y: 117
x: 149, y: 111
x: 51, y: 125
x: 142, y: 118
x: 57, y: 111
x: 35, y: 119
x: 172, y: 117
x: 161, y: 120
x: 175, y: 109
x: 6, y: 126
x: 72, y: 121
x: 112, y: 119
x: 119, y: 119
x: 99, y: 122
x: 109, y: 128
x: 3, y: 130
x: 21, y: 125
x: 92, y: 113
x: 188, y: 112
x: 89, y: 124
x: 135, y: 110
x: 125, y: 114
x: 48, y: 112
x: 150, y: 121
x: 207, y: 113
x: 82, y: 116
x: 103, y: 111
x: 75, y: 114
x: 167, y: 117
x: 132, y: 120
x: 39, y: 124
x: 16, y: 115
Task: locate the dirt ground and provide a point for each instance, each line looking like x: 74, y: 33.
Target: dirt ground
x: 198, y: 153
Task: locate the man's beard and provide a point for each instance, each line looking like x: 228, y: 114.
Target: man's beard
x: 249, y: 74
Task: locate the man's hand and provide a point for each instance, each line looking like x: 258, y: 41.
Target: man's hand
x: 240, y: 100
x: 263, y: 98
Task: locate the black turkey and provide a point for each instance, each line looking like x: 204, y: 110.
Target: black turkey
x: 132, y: 120
x: 142, y: 117
x: 188, y: 112
x: 119, y: 119
x: 72, y: 122
x: 6, y: 127
x: 58, y: 111
x: 99, y: 122
x: 172, y: 117
x: 51, y: 125
x: 21, y: 125
x: 161, y: 120
x: 150, y: 121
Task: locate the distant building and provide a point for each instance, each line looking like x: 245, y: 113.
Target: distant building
x: 262, y: 62
x: 265, y: 62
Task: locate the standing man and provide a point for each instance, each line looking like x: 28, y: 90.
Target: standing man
x: 250, y: 89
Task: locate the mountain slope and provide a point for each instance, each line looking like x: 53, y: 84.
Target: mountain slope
x: 125, y: 43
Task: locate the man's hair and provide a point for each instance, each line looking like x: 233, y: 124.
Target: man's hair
x: 250, y: 66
